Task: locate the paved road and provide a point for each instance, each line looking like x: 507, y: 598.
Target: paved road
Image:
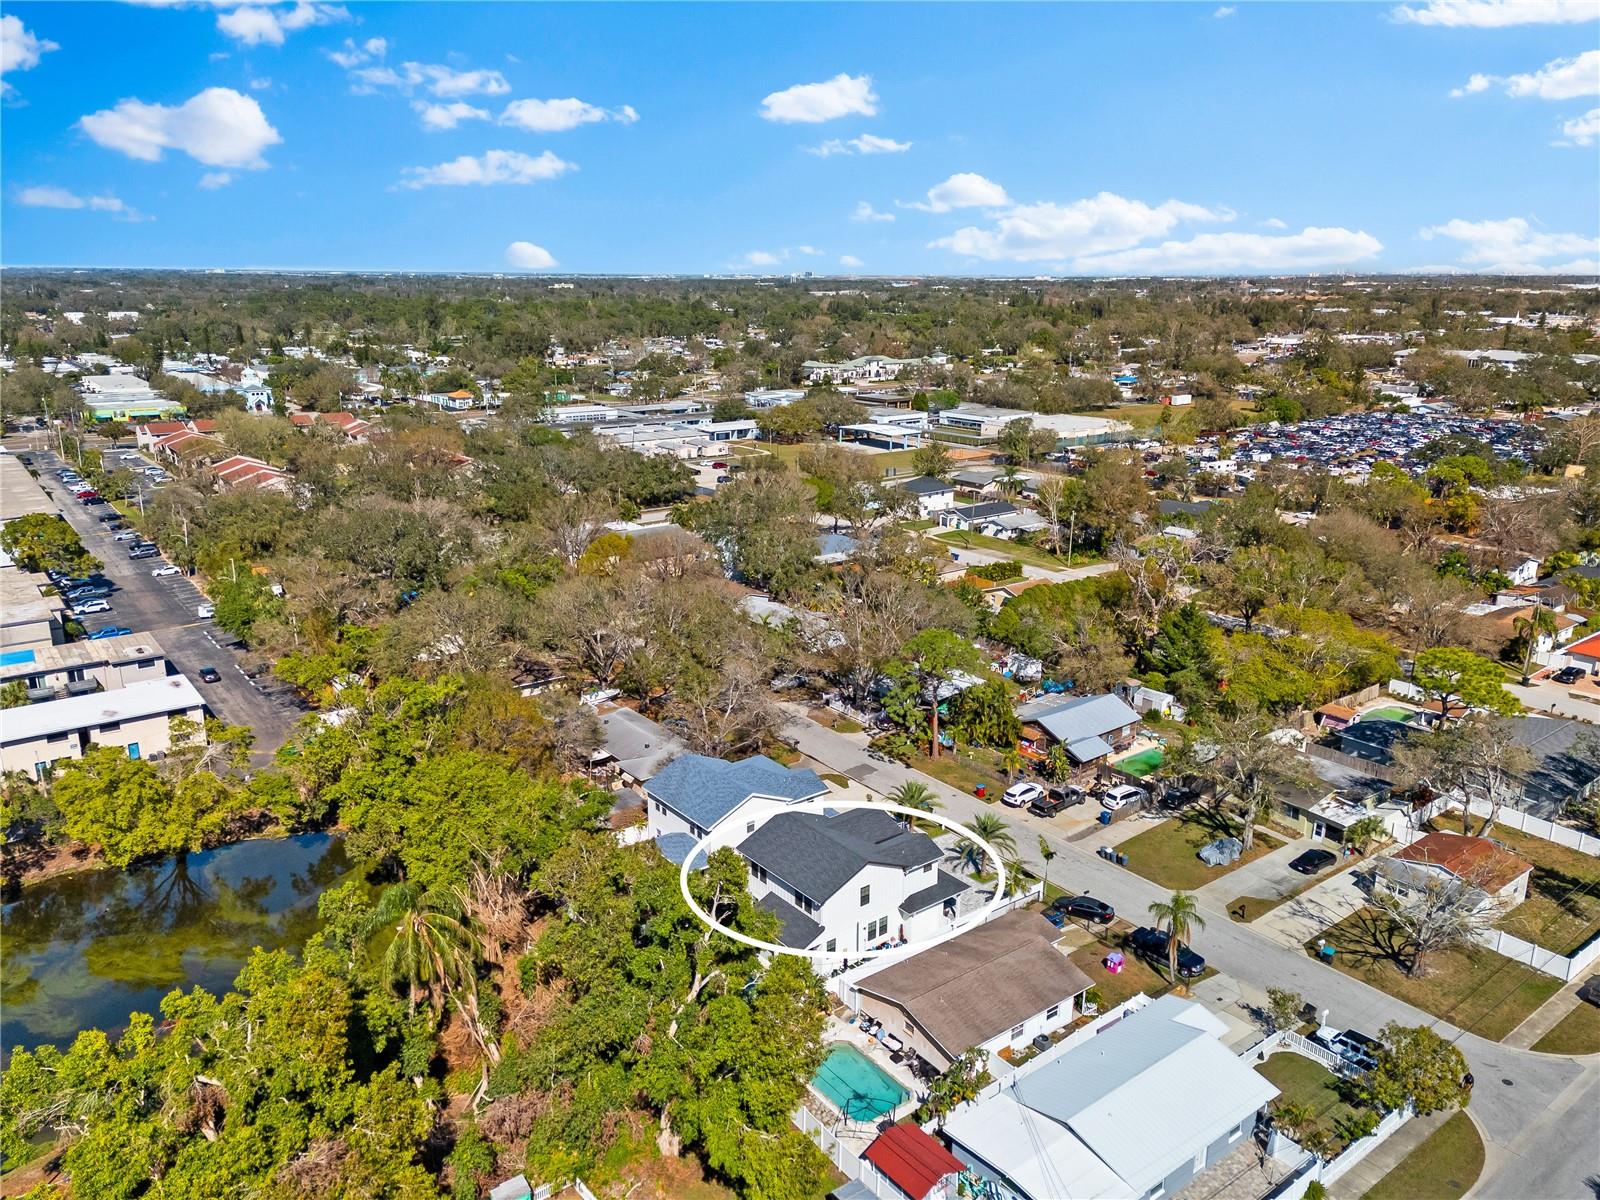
x: 168, y: 609
x: 1540, y: 1112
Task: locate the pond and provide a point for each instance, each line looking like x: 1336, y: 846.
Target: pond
x: 84, y: 951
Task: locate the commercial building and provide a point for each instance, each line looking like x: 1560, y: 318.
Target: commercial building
x: 91, y: 665
x: 136, y: 718
x: 985, y: 422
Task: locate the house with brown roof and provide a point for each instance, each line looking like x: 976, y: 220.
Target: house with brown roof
x: 241, y: 472
x: 997, y: 986
x: 1478, y: 863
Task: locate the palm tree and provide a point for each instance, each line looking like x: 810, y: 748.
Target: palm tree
x: 1046, y: 852
x: 1539, y: 622
x: 992, y: 830
x: 1012, y: 763
x: 912, y: 794
x: 1180, y: 916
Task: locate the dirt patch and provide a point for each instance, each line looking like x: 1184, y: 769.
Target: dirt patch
x: 32, y: 862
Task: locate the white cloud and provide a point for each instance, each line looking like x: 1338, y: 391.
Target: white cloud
x: 435, y: 78
x: 865, y: 212
x: 494, y: 166
x: 1226, y: 11
x: 1099, y: 224
x: 809, y: 103
x: 809, y: 250
x: 556, y: 116
x: 263, y: 24
x: 525, y: 256
x: 1581, y: 131
x: 1496, y: 14
x: 353, y: 55
x: 1514, y: 247
x: 762, y: 258
x: 447, y: 116
x: 260, y: 85
x: 20, y: 50
x: 1275, y: 223
x: 867, y: 143
x: 47, y: 196
x: 962, y: 190
x: 1559, y: 79
x: 212, y: 180
x: 850, y: 260
x: 1208, y: 252
x: 218, y: 127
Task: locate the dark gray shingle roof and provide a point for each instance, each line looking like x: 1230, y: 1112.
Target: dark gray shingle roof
x: 795, y: 928
x: 943, y: 887
x: 820, y: 854
x: 926, y: 485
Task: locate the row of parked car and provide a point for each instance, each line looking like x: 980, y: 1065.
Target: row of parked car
x: 1047, y: 800
x: 1147, y: 943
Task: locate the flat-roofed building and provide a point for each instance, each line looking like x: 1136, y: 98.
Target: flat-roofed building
x: 137, y: 718
x: 94, y: 664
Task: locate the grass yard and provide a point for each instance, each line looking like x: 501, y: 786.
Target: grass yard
x: 1562, y: 911
x: 1305, y: 1081
x: 965, y: 539
x: 1444, y: 1167
x: 1135, y: 977
x: 1168, y: 853
x: 1469, y: 986
x: 1576, y: 1033
x: 964, y: 769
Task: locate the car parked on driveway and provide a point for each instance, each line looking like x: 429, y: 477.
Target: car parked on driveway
x: 1085, y: 908
x: 1567, y: 676
x: 1357, y: 1049
x: 1121, y: 796
x: 1151, y: 944
x: 1058, y: 799
x: 1019, y: 794
x: 1313, y: 861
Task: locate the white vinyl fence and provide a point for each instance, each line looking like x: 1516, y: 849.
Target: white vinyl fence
x: 839, y: 1154
x: 1561, y: 835
x: 1563, y: 967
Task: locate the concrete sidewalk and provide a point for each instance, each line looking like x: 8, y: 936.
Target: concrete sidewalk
x: 1361, y: 1178
x: 1547, y: 1016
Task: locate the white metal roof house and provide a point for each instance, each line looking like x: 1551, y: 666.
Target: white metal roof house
x: 1135, y: 1112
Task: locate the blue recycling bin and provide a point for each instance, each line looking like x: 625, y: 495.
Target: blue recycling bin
x: 1105, y: 816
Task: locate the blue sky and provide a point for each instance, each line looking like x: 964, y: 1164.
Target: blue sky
x: 882, y: 139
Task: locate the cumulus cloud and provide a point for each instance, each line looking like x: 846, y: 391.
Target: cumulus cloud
x: 1559, y: 79
x: 865, y: 212
x: 493, y: 166
x: 761, y: 258
x: 810, y: 103
x: 47, y: 196
x: 1275, y: 223
x: 849, y: 260
x: 20, y: 49
x: 556, y: 116
x: 1209, y: 252
x: 1226, y: 11
x: 447, y: 116
x: 1496, y: 14
x: 218, y: 127
x: 212, y: 180
x: 962, y: 190
x: 264, y: 24
x: 526, y: 256
x: 867, y: 143
x: 1513, y: 247
x: 1581, y: 131
x: 1100, y: 224
x: 353, y: 55
x: 434, y: 78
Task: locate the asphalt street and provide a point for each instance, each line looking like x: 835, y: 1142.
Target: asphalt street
x: 168, y: 608
x: 1539, y: 1113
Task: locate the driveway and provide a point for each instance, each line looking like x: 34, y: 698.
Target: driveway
x: 1268, y: 876
x: 1295, y: 922
x: 1537, y: 1110
x: 1580, y: 702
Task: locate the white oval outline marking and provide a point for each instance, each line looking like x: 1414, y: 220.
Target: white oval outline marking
x: 821, y: 804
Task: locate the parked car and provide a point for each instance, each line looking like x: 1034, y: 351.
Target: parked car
x: 719, y: 466
x: 1357, y: 1049
x: 167, y: 569
x: 138, y: 552
x: 84, y: 608
x: 1085, y: 908
x: 1590, y: 991
x: 1057, y: 799
x: 1567, y: 675
x: 92, y: 501
x: 109, y: 631
x: 724, y: 478
x: 1151, y: 944
x: 111, y: 516
x: 89, y: 591
x: 1313, y: 861
x: 1019, y: 794
x: 210, y: 675
x: 206, y: 610
x: 1121, y: 796
x: 126, y: 535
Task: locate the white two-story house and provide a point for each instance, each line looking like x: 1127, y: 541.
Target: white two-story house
x: 848, y: 882
x: 694, y: 794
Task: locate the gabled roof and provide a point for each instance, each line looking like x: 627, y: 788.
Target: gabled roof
x: 1589, y: 647
x: 942, y: 888
x: 927, y: 485
x: 820, y: 854
x: 912, y: 1160
x: 795, y: 929
x: 1080, y: 719
x: 705, y: 790
x: 1478, y: 861
x: 989, y: 509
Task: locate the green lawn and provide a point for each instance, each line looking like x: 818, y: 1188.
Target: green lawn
x: 1576, y: 1033
x: 1469, y: 986
x: 1032, y: 555
x: 1444, y: 1167
x: 964, y: 769
x: 1168, y: 853
x: 1562, y: 911
x: 1136, y: 975
x: 1302, y: 1080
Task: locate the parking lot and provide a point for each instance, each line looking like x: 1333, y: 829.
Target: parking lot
x: 168, y: 608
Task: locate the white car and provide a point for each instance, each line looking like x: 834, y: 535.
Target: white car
x: 124, y: 535
x: 85, y: 607
x: 1019, y: 794
x: 206, y: 610
x: 1121, y: 796
x: 166, y: 569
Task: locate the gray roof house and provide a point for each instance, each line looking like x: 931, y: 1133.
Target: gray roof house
x: 1090, y: 727
x: 694, y: 794
x: 1136, y: 1111
x: 634, y: 744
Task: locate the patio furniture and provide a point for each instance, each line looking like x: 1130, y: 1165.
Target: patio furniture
x: 891, y: 1043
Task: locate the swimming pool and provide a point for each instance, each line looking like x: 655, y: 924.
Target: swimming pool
x: 856, y: 1085
x: 1142, y: 763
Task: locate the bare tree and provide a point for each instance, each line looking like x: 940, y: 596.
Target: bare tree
x: 1249, y: 763
x: 1475, y: 760
x: 1440, y: 910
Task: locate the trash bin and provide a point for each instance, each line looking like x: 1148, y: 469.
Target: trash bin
x: 1105, y: 816
x: 980, y: 791
x: 1122, y: 860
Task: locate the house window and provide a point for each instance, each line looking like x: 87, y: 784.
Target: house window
x: 761, y: 873
x: 145, y: 664
x: 1235, y: 1135
x: 1051, y: 1013
x: 111, y: 727
x: 749, y: 826
x: 1016, y: 1032
x: 927, y: 868
x: 833, y: 944
x: 866, y: 893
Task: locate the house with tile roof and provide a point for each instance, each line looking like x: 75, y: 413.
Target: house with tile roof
x: 693, y: 794
x: 904, y: 1163
x: 1477, y: 863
